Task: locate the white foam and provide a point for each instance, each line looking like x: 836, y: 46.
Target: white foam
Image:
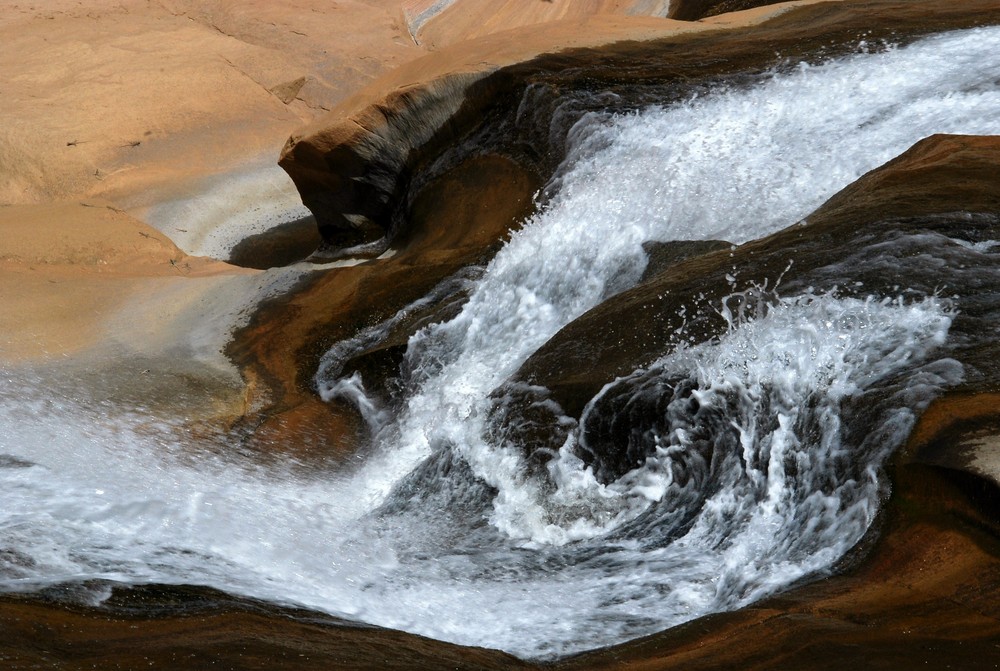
x: 506, y: 559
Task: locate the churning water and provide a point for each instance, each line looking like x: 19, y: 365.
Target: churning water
x: 751, y: 476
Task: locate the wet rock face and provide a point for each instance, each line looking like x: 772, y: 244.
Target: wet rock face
x: 663, y: 255
x: 192, y: 628
x: 921, y: 589
x: 359, y: 169
x: 692, y: 10
x: 355, y: 178
x: 943, y: 189
x: 931, y: 188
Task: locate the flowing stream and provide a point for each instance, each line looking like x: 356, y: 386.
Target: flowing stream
x: 755, y: 474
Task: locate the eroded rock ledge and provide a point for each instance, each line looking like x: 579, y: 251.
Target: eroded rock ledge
x: 357, y: 168
x: 443, y: 157
x: 934, y: 186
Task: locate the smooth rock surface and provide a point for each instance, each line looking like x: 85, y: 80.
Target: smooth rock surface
x: 353, y: 167
x: 922, y: 591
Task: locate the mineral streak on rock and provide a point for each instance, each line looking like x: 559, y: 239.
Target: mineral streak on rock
x: 692, y: 10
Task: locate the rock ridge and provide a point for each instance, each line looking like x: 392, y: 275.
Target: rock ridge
x: 356, y: 167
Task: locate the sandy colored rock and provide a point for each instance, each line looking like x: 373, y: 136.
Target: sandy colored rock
x: 213, y: 83
x: 437, y: 23
x: 122, y: 99
x: 66, y: 267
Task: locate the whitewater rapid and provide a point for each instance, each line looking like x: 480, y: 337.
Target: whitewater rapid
x: 443, y: 531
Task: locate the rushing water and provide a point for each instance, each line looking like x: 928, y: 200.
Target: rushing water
x: 751, y: 474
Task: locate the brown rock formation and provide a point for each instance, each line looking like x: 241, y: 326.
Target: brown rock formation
x: 939, y: 175
x: 193, y: 629
x: 923, y: 588
x: 927, y: 592
x: 355, y: 166
x: 692, y: 10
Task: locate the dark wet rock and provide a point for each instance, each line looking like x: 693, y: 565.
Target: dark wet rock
x: 526, y: 415
x: 664, y: 255
x: 931, y: 608
x: 193, y: 628
x: 444, y: 482
x: 692, y: 10
x: 378, y: 354
x: 650, y: 410
x: 936, y: 186
x: 961, y: 432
